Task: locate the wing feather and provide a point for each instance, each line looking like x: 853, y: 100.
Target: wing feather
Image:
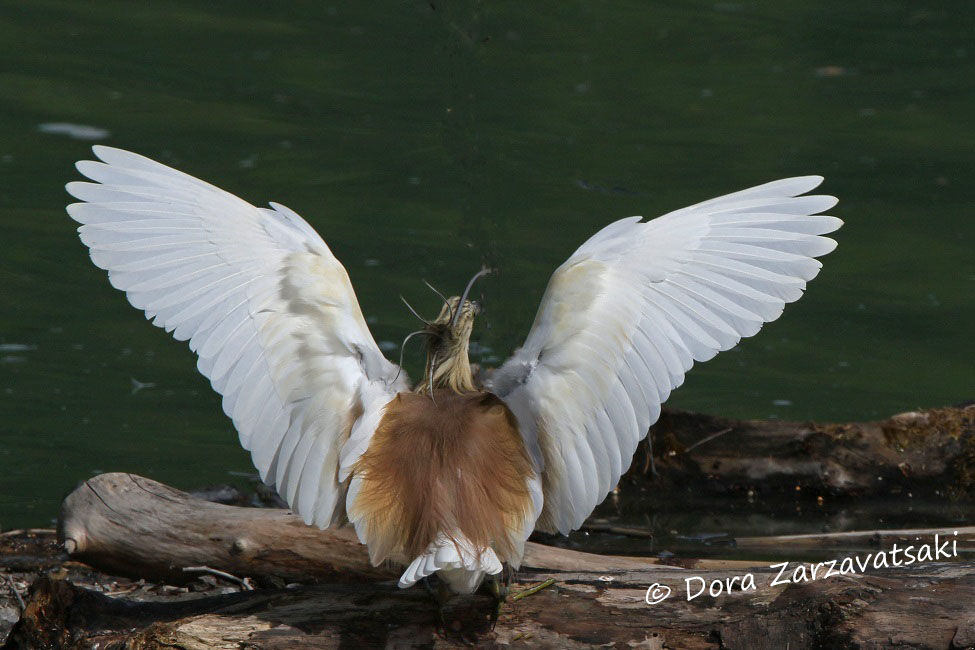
x: 627, y: 315
x: 262, y: 301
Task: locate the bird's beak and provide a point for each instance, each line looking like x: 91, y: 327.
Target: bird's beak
x: 460, y: 304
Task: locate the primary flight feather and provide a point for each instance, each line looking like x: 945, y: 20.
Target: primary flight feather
x: 449, y: 476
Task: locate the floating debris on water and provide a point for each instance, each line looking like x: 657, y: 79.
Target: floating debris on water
x: 9, y: 350
x: 831, y: 71
x: 16, y: 347
x: 76, y: 131
x: 140, y: 385
x: 709, y: 539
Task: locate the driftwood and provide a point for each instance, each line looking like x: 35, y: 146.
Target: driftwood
x: 133, y: 526
x: 927, y: 452
x: 857, y: 540
x: 918, y: 607
x: 136, y: 526
x: 698, y: 458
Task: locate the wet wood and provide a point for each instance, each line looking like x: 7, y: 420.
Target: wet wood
x: 133, y: 526
x: 924, y: 452
x: 138, y: 527
x: 858, y: 539
x: 918, y: 607
x: 124, y: 525
x: 852, y: 540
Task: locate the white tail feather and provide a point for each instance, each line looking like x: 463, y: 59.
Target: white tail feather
x: 459, y: 563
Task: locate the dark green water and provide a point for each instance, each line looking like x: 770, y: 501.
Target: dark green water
x: 424, y: 140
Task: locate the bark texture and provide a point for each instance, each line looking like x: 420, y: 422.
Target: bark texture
x: 930, y: 451
x: 132, y: 526
x: 137, y: 527
x: 123, y: 525
x: 927, y: 606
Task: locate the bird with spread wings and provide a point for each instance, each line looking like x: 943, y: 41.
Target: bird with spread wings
x: 446, y: 476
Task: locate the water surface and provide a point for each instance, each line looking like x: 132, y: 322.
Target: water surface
x: 424, y: 139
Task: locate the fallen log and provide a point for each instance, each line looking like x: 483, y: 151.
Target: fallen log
x: 858, y: 539
x: 916, y: 607
x: 930, y: 451
x: 138, y: 527
x: 776, y: 545
x: 698, y: 458
x: 132, y: 526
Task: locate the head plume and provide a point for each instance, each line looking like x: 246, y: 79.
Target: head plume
x: 448, y: 365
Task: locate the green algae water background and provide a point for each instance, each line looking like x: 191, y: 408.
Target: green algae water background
x: 423, y: 139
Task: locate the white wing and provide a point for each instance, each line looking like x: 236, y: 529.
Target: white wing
x: 263, y: 302
x: 629, y: 312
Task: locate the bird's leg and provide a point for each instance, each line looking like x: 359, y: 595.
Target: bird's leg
x: 429, y: 589
x: 509, y: 575
x: 440, y: 595
x: 499, y: 586
x: 499, y: 589
x: 444, y: 593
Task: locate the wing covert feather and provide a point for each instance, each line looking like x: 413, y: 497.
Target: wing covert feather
x: 268, y: 309
x: 629, y: 313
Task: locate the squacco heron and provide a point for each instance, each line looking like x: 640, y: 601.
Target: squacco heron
x: 447, y: 477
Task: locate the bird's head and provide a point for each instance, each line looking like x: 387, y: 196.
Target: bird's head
x: 448, y: 337
x: 450, y: 332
